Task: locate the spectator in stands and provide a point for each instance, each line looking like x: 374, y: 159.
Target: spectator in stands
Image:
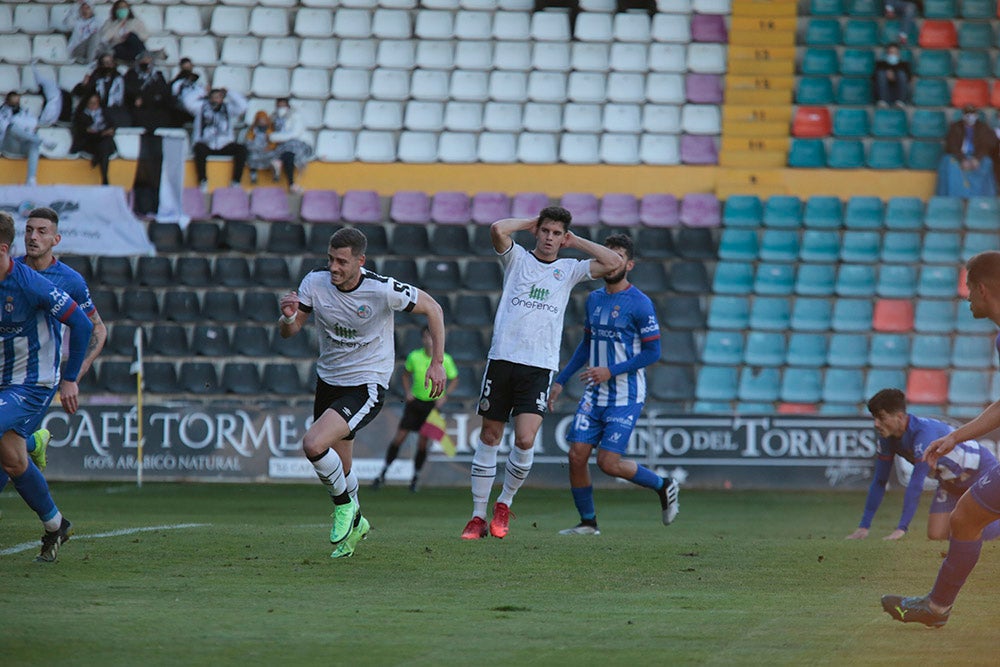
x: 187, y: 92
x: 572, y: 5
x: 123, y: 33
x: 85, y: 40
x: 966, y: 169
x: 94, y: 134
x: 260, y: 149
x: 892, y: 78
x: 291, y: 151
x: 906, y: 10
x: 19, y: 133
x: 215, y: 133
x: 110, y: 85
x: 148, y: 94
x: 58, y: 103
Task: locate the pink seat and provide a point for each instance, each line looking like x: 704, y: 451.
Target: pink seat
x: 659, y: 210
x: 701, y: 210
x: 320, y: 206
x: 361, y: 206
x: 528, y: 204
x: 193, y: 204
x: 583, y: 206
x: 708, y: 28
x: 411, y: 207
x: 270, y: 204
x: 488, y: 207
x: 230, y: 203
x: 703, y: 88
x: 450, y: 208
x: 696, y: 149
x: 619, y: 210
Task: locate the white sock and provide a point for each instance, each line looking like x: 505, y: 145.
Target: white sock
x: 515, y: 472
x: 52, y: 525
x: 484, y: 471
x: 330, y: 471
x: 352, y: 486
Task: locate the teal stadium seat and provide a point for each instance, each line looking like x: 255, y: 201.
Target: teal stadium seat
x: 885, y: 154
x: 878, y: 379
x: 931, y: 93
x: 809, y: 314
x: 891, y: 30
x: 843, y: 385
x: 754, y: 408
x: 896, y: 281
x: 864, y: 213
x: 969, y: 387
x: 733, y: 278
x: 806, y: 349
x: 941, y: 248
x: 774, y: 279
x: 723, y: 348
x: 855, y: 280
x: 852, y: 315
x: 770, y: 313
x: 851, y: 123
x: 815, y: 279
x: 783, y: 211
x: 889, y: 123
x: 977, y: 242
x: 934, y: 316
x: 924, y: 155
x: 823, y: 212
x: 848, y: 350
x: 944, y: 213
x: 966, y: 323
x: 764, y: 348
x: 900, y: 247
x: 820, y: 245
x: 815, y: 91
x: 854, y: 91
x: 712, y: 408
x: 934, y: 64
x: 940, y: 9
x: 779, y: 245
x: 738, y: 244
x: 928, y: 124
x: 979, y: 9
x: 857, y: 62
x: 840, y: 409
x: 743, y: 211
x: 846, y: 154
x: 982, y: 213
x: 860, y: 246
x: 807, y: 154
x: 860, y: 33
x: 800, y: 385
x: 975, y: 35
x: 904, y: 213
x: 973, y: 65
x: 759, y: 384
x: 819, y: 62
x: 972, y: 352
x: 716, y: 383
x: 889, y: 351
x: 938, y: 282
x: 823, y: 32
x: 871, y: 8
x: 930, y: 351
x: 729, y: 312
x: 826, y: 7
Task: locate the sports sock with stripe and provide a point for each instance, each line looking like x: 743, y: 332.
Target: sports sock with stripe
x: 484, y: 472
x: 515, y: 472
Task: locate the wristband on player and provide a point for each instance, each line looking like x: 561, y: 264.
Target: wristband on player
x: 289, y: 319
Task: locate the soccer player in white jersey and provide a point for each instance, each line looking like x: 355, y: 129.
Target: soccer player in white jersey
x: 621, y: 336
x: 527, y: 332
x: 353, y: 309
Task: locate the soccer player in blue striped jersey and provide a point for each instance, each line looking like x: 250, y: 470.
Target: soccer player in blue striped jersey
x: 621, y: 336
x: 30, y: 317
x: 980, y: 505
x: 907, y: 436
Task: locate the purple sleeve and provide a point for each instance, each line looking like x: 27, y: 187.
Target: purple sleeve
x: 80, y: 327
x: 883, y: 466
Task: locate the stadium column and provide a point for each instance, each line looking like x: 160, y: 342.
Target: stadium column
x: 758, y: 110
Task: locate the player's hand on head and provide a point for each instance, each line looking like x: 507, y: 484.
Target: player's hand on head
x: 554, y: 392
x: 859, y: 534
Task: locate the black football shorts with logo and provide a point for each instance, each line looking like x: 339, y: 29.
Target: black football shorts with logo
x: 357, y: 405
x: 510, y: 388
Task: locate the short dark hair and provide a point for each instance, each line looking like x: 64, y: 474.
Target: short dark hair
x: 45, y: 213
x: 11, y: 94
x: 984, y: 268
x: 6, y: 228
x: 887, y: 400
x: 348, y: 237
x: 283, y: 99
x: 556, y: 214
x: 623, y: 241
x: 184, y: 60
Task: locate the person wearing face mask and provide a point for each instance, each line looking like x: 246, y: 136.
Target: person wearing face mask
x: 892, y: 79
x: 188, y: 93
x: 19, y: 134
x: 966, y: 169
x: 260, y: 149
x: 906, y: 11
x: 85, y: 40
x: 215, y: 133
x: 110, y: 86
x: 291, y: 151
x: 94, y: 134
x: 123, y: 33
x: 147, y: 94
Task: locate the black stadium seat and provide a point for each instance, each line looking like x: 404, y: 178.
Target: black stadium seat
x: 80, y: 264
x: 210, y: 341
x: 166, y: 236
x: 286, y: 238
x: 154, y: 271
x: 689, y: 277
x: 114, y: 271
x: 678, y: 347
x: 241, y: 378
x: 193, y: 271
x: 670, y: 383
x: 650, y: 277
x: 483, y: 276
x: 222, y: 306
x: 140, y: 305
x: 466, y: 345
x: 203, y: 237
x: 199, y: 377
x: 410, y: 241
x: 272, y: 272
x: 106, y: 303
x: 251, y: 341
x: 441, y: 275
x: 696, y: 243
x: 473, y: 310
x: 403, y: 270
x: 121, y: 339
x: 654, y: 243
x: 233, y: 272
x: 181, y: 306
x: 260, y: 307
x: 451, y: 241
x: 282, y: 379
x: 116, y: 377
x: 168, y: 339
x: 239, y: 237
x: 680, y: 312
x: 160, y: 377
x: 300, y: 346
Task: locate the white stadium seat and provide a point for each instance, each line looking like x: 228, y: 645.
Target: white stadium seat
x: 547, y: 87
x: 49, y: 49
x: 619, y: 148
x: 59, y: 140
x: 424, y: 116
x: 586, y: 87
x: 457, y: 147
x: 70, y: 75
x: 201, y: 49
x: 310, y: 83
x: 7, y: 18
x: 168, y: 44
x: 310, y: 111
x: 508, y: 86
x: 665, y: 88
x: 632, y: 27
x: 674, y: 6
x: 626, y: 87
x: 627, y: 57
x: 235, y: 51
x: 497, y: 147
x: 269, y: 22
x: 473, y: 55
x: 707, y: 58
x: 230, y: 21
x: 390, y: 84
x: 712, y: 6
x: 10, y: 78
x: 435, y: 54
x: 430, y: 84
x: 283, y: 52
x: 550, y: 26
x: 31, y: 18
x: 357, y: 53
x: 463, y: 116
x: 513, y: 26
x: 469, y: 86
x: 473, y: 25
x: 356, y: 23
x: 326, y: 4
x: 674, y: 28
x: 592, y: 27
x: 392, y: 24
x: 661, y: 118
x: 514, y: 56
x: 335, y: 146
x: 397, y: 4
x: 591, y: 57
x: 516, y: 5
x: 151, y: 15
x: 540, y: 117
x: 660, y: 149
x: 15, y: 49
x: 479, y: 5
x: 417, y: 147
x: 382, y: 115
x: 232, y: 77
x: 667, y: 57
x: 554, y: 56
x: 579, y: 148
x: 60, y: 18
x: 607, y: 6
x: 351, y: 84
x: 313, y: 52
x: 432, y: 24
x: 701, y: 119
x: 127, y: 140
x: 502, y: 117
x: 451, y: 5
x: 537, y: 148
x: 622, y: 118
x: 585, y: 118
x: 343, y: 114
x: 397, y: 53
x: 314, y: 23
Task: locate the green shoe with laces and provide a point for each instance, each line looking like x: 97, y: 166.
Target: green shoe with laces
x: 41, y: 438
x: 346, y: 548
x: 343, y: 521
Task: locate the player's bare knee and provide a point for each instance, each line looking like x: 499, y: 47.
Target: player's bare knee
x: 578, y: 457
x: 490, y: 434
x: 312, y: 445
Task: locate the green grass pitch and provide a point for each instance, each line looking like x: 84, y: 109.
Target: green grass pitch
x: 742, y: 578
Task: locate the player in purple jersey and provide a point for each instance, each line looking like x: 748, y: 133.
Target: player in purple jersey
x: 980, y: 505
x: 32, y: 311
x: 621, y: 336
x: 907, y: 436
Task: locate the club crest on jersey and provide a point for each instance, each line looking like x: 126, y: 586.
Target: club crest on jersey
x: 484, y: 404
x: 364, y: 311
x: 558, y: 274
x: 9, y: 306
x: 616, y: 312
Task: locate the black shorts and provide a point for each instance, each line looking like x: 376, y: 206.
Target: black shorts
x: 415, y: 414
x: 357, y: 405
x: 510, y: 388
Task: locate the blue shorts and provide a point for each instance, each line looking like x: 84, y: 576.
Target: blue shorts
x: 986, y: 490
x: 22, y: 407
x: 944, y: 502
x: 607, y: 427
x: 37, y: 423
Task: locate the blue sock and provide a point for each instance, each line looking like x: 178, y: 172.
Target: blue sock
x: 962, y: 557
x: 990, y: 532
x: 583, y: 498
x: 3, y: 479
x: 30, y: 443
x: 35, y: 491
x: 647, y: 478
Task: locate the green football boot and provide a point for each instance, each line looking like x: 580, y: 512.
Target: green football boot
x: 346, y: 548
x: 343, y: 521
x: 41, y: 438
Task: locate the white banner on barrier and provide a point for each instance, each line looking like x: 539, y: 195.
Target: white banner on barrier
x: 93, y: 220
